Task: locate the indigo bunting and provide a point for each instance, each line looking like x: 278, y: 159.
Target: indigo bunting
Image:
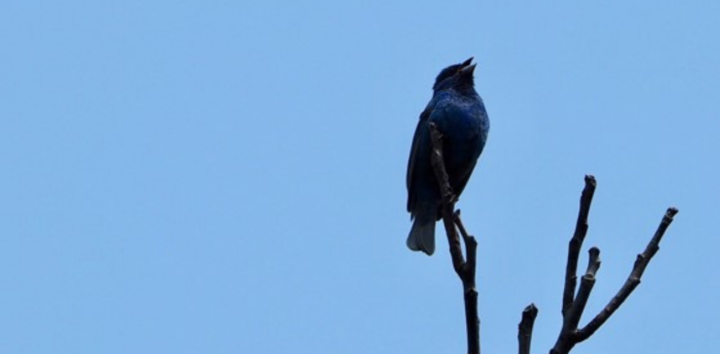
x: 459, y: 114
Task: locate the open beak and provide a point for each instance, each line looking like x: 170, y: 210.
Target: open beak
x: 468, y: 70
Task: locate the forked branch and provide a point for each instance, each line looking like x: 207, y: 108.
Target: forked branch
x: 632, y: 281
x: 574, y: 304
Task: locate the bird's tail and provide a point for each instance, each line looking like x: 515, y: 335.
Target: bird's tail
x: 422, y: 236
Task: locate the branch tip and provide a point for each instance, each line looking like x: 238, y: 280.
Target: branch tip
x: 525, y: 328
x: 593, y: 262
x: 531, y: 310
x: 590, y: 180
x: 594, y: 252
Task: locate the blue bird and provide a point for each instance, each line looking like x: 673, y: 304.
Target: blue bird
x: 459, y: 114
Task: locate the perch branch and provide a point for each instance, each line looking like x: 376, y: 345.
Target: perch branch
x: 465, y: 270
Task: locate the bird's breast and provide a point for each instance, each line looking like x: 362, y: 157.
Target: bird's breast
x: 464, y: 124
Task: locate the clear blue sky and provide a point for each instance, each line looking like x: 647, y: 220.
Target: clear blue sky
x: 229, y: 176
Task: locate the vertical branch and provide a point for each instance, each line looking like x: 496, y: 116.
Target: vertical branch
x: 581, y: 228
x: 448, y: 199
x: 586, y: 284
x: 525, y: 328
x: 470, y: 294
x: 464, y: 270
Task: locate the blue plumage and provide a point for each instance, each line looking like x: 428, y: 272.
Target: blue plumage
x: 459, y: 114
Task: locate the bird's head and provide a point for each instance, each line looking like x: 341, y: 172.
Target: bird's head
x: 457, y: 75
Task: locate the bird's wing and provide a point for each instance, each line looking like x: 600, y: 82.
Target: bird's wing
x: 463, y: 179
x: 424, y: 117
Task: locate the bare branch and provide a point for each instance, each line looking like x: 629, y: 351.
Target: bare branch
x: 464, y: 270
x: 581, y: 228
x: 573, y: 307
x: 472, y: 320
x: 586, y: 285
x: 525, y: 328
x: 470, y: 248
x: 632, y: 281
x: 448, y: 200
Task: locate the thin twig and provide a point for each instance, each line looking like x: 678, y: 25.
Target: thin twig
x: 468, y: 271
x: 525, y: 328
x: 470, y: 294
x: 586, y: 284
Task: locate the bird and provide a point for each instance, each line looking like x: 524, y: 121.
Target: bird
x: 459, y: 114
